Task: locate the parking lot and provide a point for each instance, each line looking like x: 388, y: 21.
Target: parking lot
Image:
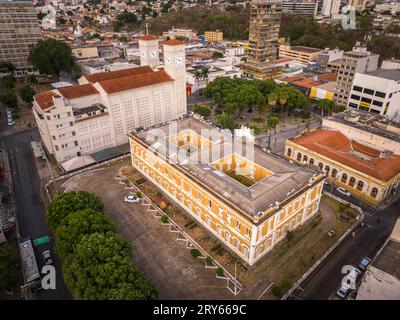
x: 156, y: 253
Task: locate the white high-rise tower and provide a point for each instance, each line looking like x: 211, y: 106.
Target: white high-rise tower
x: 149, y: 54
x: 175, y: 65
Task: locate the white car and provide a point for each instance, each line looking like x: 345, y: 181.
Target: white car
x: 345, y: 288
x: 131, y: 198
x: 343, y: 191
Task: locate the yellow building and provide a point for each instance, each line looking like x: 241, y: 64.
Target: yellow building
x: 323, y: 91
x: 368, y: 173
x: 249, y: 202
x: 213, y: 36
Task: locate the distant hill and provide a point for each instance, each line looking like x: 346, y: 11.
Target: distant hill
x: 234, y: 21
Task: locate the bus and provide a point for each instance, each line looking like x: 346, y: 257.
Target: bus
x: 29, y: 264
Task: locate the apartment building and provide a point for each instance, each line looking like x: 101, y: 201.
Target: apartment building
x: 301, y: 7
x: 358, y: 60
x: 100, y: 111
x: 330, y: 7
x: 329, y: 55
x: 247, y: 200
x: 19, y: 31
x: 378, y: 92
x: 213, y: 36
x: 265, y: 20
x: 358, y: 5
x: 302, y: 54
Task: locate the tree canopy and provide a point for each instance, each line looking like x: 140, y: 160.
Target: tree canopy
x: 9, y: 266
x: 51, y: 56
x: 101, y: 269
x: 78, y: 224
x: 71, y: 202
x: 26, y: 92
x: 9, y: 99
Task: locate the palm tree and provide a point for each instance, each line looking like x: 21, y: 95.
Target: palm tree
x: 325, y: 105
x: 255, y: 127
x: 272, y: 122
x: 225, y: 121
x: 197, y: 76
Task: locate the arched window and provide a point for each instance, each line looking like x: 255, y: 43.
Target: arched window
x: 320, y: 165
x: 374, y: 192
x: 334, y: 173
x: 344, y: 178
x: 327, y: 169
x: 299, y: 156
x: 360, y: 185
x: 289, y: 152
x: 311, y: 161
x: 305, y: 158
x: 352, y: 181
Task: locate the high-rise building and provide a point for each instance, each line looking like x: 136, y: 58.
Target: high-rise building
x: 19, y: 31
x: 358, y: 60
x: 303, y: 7
x: 265, y: 20
x: 330, y: 7
x: 359, y: 5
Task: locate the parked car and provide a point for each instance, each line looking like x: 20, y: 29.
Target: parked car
x: 131, y: 198
x: 10, y: 122
x: 326, y: 182
x: 47, y: 258
x: 345, y: 288
x: 364, y: 263
x: 343, y: 191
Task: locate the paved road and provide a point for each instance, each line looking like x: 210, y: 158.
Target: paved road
x: 30, y: 209
x: 325, y: 280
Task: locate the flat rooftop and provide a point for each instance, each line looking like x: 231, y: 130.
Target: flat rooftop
x: 253, y: 181
x: 386, y: 74
x: 389, y: 259
x: 366, y: 121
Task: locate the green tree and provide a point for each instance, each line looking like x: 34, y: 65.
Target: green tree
x: 219, y: 88
x: 7, y: 66
x: 101, y: 269
x: 217, y: 55
x: 9, y: 266
x: 246, y: 96
x: 51, y: 56
x: 272, y: 122
x: 78, y: 224
x: 9, y: 99
x: 32, y: 79
x: 41, y: 15
x: 325, y: 105
x: 70, y: 202
x: 225, y: 121
x: 9, y: 81
x: 203, y: 111
x: 127, y: 17
x: 255, y: 127
x: 26, y: 92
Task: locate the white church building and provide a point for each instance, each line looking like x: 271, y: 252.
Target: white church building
x: 100, y: 111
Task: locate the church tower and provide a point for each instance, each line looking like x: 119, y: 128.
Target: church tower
x: 149, y: 55
x: 175, y: 65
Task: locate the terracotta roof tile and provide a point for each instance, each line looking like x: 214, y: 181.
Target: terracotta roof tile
x: 117, y: 74
x: 44, y: 99
x: 135, y: 81
x: 173, y: 42
x: 78, y: 91
x: 148, y: 37
x: 336, y: 146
